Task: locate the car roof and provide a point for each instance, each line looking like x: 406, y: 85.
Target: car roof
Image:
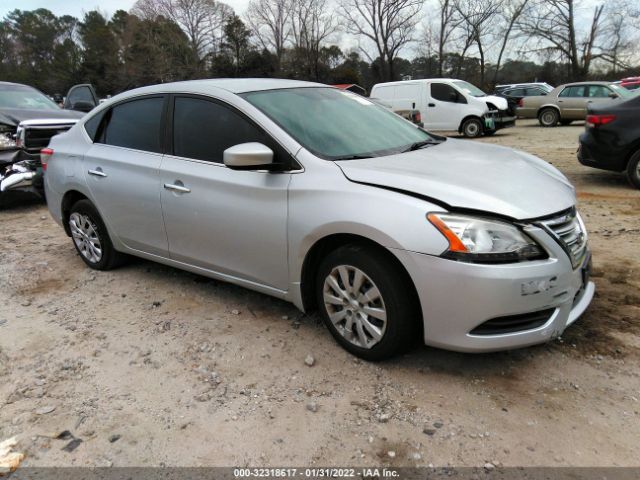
x: 575, y: 84
x: 233, y: 85
x: 15, y: 84
x: 418, y: 80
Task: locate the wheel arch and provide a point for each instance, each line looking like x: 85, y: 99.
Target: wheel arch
x: 549, y: 105
x: 329, y: 243
x: 469, y: 117
x: 68, y: 200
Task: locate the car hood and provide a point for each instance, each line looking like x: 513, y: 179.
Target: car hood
x: 499, y: 102
x: 13, y: 116
x: 469, y: 175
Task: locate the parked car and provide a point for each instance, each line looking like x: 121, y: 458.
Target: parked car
x: 515, y: 94
x: 631, y: 83
x: 543, y: 85
x: 329, y: 201
x: 567, y: 103
x: 448, y: 105
x: 413, y: 116
x: 28, y: 120
x: 611, y: 140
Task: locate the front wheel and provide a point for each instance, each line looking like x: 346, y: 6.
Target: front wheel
x: 633, y: 170
x: 472, y: 128
x: 366, y: 302
x: 90, y: 237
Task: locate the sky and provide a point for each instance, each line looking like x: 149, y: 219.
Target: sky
x: 78, y: 7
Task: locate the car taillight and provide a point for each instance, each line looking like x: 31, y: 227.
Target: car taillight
x: 599, y: 120
x: 45, y: 155
x: 417, y: 117
x: 521, y: 102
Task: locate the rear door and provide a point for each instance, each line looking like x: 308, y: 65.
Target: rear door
x: 229, y: 221
x: 122, y: 168
x: 573, y: 102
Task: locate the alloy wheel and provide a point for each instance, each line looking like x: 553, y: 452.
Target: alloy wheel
x: 85, y: 236
x: 355, y: 306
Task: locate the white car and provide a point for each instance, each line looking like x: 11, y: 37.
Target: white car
x: 448, y: 105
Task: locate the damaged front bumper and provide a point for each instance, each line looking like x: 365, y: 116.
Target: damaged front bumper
x: 20, y: 170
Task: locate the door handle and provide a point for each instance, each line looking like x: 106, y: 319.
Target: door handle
x: 97, y: 172
x: 432, y: 104
x: 177, y: 188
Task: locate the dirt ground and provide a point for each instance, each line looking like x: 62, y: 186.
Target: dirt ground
x: 152, y: 366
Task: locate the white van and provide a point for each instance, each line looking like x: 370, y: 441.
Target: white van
x: 448, y: 104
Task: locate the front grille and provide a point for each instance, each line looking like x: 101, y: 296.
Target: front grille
x: 38, y: 138
x: 568, y: 230
x: 513, y: 323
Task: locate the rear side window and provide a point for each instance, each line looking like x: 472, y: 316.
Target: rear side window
x: 203, y: 129
x: 577, y: 91
x: 91, y: 125
x: 516, y: 92
x: 135, y: 124
x: 444, y: 92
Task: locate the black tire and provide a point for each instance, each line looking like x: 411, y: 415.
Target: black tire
x: 633, y: 169
x: 566, y: 122
x: 472, y: 128
x: 549, y: 117
x: 489, y: 133
x: 397, y: 296
x: 109, y: 258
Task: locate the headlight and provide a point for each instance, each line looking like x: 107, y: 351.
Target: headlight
x: 7, y: 142
x: 480, y: 240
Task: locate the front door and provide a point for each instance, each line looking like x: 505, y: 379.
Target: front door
x: 121, y: 169
x: 444, y: 107
x: 230, y: 221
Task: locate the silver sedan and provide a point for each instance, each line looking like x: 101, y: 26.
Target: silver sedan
x: 322, y: 198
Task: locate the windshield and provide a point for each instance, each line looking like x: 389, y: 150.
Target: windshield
x: 337, y: 125
x: 18, y: 96
x: 470, y: 89
x: 623, y: 92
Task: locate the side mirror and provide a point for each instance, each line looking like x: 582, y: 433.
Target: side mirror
x: 248, y: 156
x: 613, y: 95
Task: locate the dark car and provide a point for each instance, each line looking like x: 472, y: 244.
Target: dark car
x: 611, y: 140
x: 515, y: 94
x: 28, y: 120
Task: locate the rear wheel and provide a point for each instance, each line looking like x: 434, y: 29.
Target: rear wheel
x: 366, y: 303
x: 90, y: 237
x: 633, y: 169
x: 549, y: 117
x: 472, y: 128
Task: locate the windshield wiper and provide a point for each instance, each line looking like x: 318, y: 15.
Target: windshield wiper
x: 419, y: 145
x: 352, y: 157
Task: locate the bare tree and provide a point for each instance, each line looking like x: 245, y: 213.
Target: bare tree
x: 448, y: 24
x: 478, y: 18
x: 311, y: 25
x: 618, y: 46
x: 200, y: 19
x: 270, y: 22
x: 389, y: 24
x: 510, y: 14
x: 553, y: 24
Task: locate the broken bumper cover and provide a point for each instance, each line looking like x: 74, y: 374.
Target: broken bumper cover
x: 20, y: 170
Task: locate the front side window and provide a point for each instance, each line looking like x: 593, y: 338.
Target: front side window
x: 337, y: 125
x: 203, y: 130
x: 598, y: 91
x: 135, y: 124
x: 444, y: 92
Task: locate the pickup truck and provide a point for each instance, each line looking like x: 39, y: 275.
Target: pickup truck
x: 28, y: 120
